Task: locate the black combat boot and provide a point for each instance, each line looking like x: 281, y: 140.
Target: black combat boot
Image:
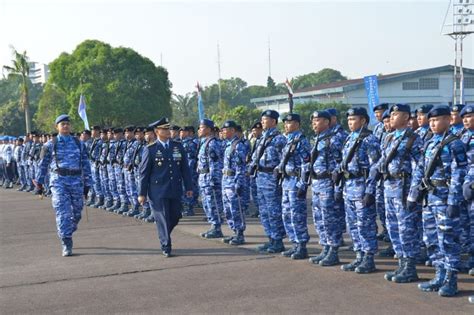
x: 435, y: 283
x: 355, y: 263
x: 276, y: 247
x: 238, y: 239
x: 66, y: 243
x: 450, y: 285
x: 331, y: 259
x: 291, y: 251
x: 367, y: 265
x: 407, y: 274
x: 316, y: 259
x: 301, y: 252
x: 389, y: 275
x: 263, y: 248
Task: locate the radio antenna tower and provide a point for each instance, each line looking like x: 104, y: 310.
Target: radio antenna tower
x: 462, y: 26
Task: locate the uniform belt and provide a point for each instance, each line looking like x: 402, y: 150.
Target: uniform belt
x: 439, y: 183
x: 204, y: 170
x: 321, y: 176
x: 396, y: 176
x: 265, y: 169
x: 349, y: 175
x: 67, y: 172
x: 228, y: 172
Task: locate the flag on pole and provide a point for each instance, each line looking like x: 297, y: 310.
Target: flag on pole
x: 200, y: 104
x: 372, y: 91
x: 81, y: 110
x: 290, y: 94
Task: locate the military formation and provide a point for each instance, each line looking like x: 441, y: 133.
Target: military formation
x: 412, y: 173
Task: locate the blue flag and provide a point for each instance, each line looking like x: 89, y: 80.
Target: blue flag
x: 81, y: 110
x: 372, y: 91
x: 200, y: 104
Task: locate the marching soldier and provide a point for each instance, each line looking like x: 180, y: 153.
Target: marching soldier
x: 438, y: 180
x: 70, y: 180
x: 256, y: 131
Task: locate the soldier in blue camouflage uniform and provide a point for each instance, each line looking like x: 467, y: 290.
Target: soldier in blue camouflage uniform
x: 103, y: 172
x: 87, y: 140
x: 326, y: 154
x: 438, y: 181
x: 424, y: 124
x: 209, y: 168
x: 457, y: 127
x: 19, y: 160
x: 413, y: 122
x: 23, y: 163
x: 25, y: 158
x: 467, y: 234
x: 246, y: 197
x: 120, y: 146
x: 379, y: 132
x: 70, y: 180
x: 111, y: 161
x: 191, y: 148
x: 295, y: 158
x: 401, y: 151
x: 128, y: 174
x: 94, y: 153
x: 256, y: 134
x: 360, y: 153
x: 339, y: 135
x: 233, y: 181
x: 265, y: 159
x: 34, y: 155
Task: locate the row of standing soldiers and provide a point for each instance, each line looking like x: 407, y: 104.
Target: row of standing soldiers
x: 418, y: 181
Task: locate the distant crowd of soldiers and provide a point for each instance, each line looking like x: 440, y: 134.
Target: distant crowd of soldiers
x: 413, y: 171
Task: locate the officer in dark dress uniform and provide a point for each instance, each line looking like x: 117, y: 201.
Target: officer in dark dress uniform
x: 164, y: 171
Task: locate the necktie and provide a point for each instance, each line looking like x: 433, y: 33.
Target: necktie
x: 166, y: 146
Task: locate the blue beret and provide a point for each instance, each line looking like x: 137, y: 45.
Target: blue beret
x: 148, y: 129
x: 207, y: 122
x: 271, y: 113
x: 129, y: 128
x: 424, y: 109
x: 139, y: 129
x: 386, y: 114
x: 468, y: 109
x: 321, y: 114
x: 457, y: 108
x: 239, y: 128
x: 439, y: 110
x: 292, y: 117
x: 405, y: 108
x: 162, y: 123
x: 413, y: 114
x: 175, y: 127
x: 332, y: 111
x: 60, y: 118
x: 382, y: 106
x: 358, y: 111
x: 257, y: 125
x: 96, y: 128
x: 118, y: 130
x: 229, y: 124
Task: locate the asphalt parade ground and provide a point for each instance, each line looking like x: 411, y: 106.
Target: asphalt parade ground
x: 117, y: 267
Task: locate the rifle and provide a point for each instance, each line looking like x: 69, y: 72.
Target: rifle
x: 281, y: 169
x: 260, y: 149
x: 425, y: 186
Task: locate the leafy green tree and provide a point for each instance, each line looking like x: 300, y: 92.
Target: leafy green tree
x: 184, y: 109
x: 242, y: 115
x: 306, y: 109
x: 323, y: 76
x: 21, y: 68
x: 120, y: 86
x: 52, y: 104
x: 271, y: 86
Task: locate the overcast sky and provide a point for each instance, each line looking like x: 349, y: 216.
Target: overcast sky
x: 357, y: 38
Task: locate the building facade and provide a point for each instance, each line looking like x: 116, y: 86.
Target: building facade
x: 427, y: 86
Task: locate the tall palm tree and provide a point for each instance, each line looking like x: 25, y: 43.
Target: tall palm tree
x: 21, y: 68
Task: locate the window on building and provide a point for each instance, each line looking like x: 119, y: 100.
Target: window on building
x: 469, y: 82
x: 429, y: 84
x: 410, y: 85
